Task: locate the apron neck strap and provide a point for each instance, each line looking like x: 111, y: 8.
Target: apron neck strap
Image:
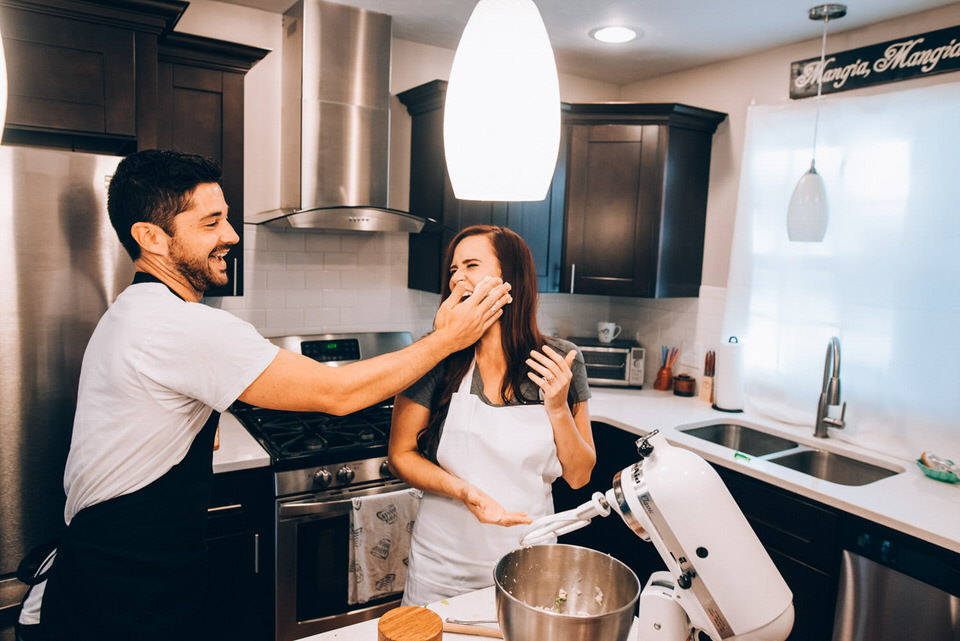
x: 144, y: 277
x: 467, y: 381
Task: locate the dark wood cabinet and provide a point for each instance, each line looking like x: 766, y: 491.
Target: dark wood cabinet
x: 802, y: 538
x: 200, y: 99
x: 637, y: 177
x: 540, y: 223
x: 108, y: 77
x: 624, y: 215
x: 79, y: 73
x: 240, y: 538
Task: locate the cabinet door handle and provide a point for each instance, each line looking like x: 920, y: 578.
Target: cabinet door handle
x: 573, y: 275
x: 256, y: 553
x: 224, y: 508
x: 235, y: 261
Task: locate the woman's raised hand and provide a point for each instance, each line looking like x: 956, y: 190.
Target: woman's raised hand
x: 488, y: 510
x: 551, y: 372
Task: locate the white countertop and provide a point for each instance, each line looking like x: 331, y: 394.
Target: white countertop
x: 480, y: 604
x: 909, y: 502
x: 238, y: 449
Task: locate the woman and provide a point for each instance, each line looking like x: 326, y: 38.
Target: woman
x: 486, y: 432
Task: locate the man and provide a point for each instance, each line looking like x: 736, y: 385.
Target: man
x: 156, y: 373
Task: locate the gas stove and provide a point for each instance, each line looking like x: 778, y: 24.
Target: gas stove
x: 322, y: 451
x: 321, y: 465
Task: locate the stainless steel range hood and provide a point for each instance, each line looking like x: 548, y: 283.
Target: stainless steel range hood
x: 335, y: 122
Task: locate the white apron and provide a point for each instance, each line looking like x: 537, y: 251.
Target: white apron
x: 509, y: 453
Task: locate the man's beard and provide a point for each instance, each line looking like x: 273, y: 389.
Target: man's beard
x: 197, y: 271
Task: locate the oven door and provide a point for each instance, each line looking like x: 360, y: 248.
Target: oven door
x: 313, y: 553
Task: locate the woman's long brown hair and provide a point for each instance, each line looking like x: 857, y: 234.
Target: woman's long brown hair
x: 518, y: 328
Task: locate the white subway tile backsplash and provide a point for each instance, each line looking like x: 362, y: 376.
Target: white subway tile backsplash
x: 325, y: 279
x: 340, y: 297
x: 312, y: 261
x: 285, y: 280
x: 321, y: 242
x: 317, y: 282
x: 279, y: 318
x: 340, y: 260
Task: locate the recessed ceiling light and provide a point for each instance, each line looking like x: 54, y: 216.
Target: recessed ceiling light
x: 614, y: 35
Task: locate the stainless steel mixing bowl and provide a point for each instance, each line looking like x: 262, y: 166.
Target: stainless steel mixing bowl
x: 564, y: 593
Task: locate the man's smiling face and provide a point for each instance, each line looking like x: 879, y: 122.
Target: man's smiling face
x: 202, y: 237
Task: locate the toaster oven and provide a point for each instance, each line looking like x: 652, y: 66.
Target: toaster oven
x: 618, y: 363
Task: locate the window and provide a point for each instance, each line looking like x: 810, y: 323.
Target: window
x: 886, y: 279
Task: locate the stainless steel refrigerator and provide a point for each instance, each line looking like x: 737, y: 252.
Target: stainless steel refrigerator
x: 61, y: 265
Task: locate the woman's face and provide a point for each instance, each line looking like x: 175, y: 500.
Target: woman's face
x: 474, y: 260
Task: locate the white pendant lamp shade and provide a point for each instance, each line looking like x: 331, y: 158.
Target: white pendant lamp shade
x: 501, y: 125
x: 807, y: 215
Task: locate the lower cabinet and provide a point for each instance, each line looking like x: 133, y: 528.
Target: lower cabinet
x: 802, y: 539
x: 240, y: 545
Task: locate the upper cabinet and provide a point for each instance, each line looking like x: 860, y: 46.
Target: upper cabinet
x: 112, y: 77
x: 200, y: 111
x: 624, y: 215
x: 636, y: 198
x: 80, y: 72
x: 540, y: 223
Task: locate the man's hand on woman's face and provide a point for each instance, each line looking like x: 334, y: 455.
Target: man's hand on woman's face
x: 466, y: 319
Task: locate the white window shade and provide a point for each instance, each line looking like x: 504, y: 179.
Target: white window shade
x: 886, y: 278
x: 501, y: 127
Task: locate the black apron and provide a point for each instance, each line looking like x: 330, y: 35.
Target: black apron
x: 134, y: 567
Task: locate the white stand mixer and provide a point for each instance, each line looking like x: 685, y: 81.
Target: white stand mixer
x: 720, y: 582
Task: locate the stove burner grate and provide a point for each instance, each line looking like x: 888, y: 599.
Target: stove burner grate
x: 296, y: 434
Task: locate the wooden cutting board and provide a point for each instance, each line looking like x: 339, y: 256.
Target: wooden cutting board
x: 408, y: 623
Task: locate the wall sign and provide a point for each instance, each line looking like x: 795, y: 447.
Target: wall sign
x: 925, y: 54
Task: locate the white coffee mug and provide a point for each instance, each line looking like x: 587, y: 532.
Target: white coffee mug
x: 607, y: 331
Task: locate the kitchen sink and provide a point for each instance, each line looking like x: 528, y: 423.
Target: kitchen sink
x: 741, y: 438
x: 833, y: 467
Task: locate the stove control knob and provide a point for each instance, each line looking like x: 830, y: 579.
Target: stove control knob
x: 345, y: 474
x: 322, y: 478
x: 385, y: 469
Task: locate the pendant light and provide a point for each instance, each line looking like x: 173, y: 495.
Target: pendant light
x: 807, y: 215
x: 501, y: 124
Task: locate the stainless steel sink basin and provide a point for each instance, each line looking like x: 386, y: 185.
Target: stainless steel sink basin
x: 833, y: 467
x: 741, y: 438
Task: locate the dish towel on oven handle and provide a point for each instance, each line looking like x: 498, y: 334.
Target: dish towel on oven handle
x: 380, y: 527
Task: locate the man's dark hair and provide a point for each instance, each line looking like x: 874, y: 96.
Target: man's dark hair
x: 153, y: 186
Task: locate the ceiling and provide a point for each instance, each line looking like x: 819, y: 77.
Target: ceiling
x: 677, y: 34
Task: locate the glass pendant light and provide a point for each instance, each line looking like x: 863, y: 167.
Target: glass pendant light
x: 501, y: 125
x: 807, y: 215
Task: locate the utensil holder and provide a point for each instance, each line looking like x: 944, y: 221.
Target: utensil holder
x: 664, y: 379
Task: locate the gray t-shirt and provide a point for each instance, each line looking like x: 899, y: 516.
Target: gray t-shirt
x: 422, y: 392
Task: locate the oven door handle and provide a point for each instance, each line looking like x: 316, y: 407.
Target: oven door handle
x: 333, y: 506
x: 302, y: 508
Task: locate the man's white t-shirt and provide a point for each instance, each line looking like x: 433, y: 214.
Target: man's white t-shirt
x: 153, y: 372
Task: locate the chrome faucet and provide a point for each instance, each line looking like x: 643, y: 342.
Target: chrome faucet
x: 830, y: 395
